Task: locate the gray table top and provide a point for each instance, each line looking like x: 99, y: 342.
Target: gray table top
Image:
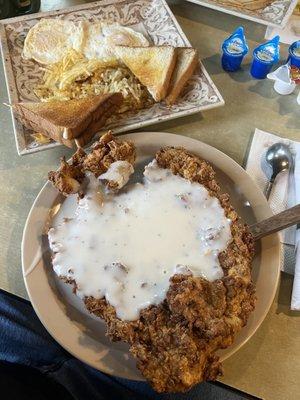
x: 249, y: 104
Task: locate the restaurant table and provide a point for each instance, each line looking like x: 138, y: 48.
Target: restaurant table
x: 268, y: 366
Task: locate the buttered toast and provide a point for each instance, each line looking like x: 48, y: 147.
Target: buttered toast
x: 153, y: 66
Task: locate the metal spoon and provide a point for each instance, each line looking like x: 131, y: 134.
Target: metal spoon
x: 280, y: 159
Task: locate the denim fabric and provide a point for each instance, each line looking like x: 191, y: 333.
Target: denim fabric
x: 25, y: 343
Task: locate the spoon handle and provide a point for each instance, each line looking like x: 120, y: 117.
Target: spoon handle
x: 268, y: 189
x: 276, y: 223
x: 269, y: 186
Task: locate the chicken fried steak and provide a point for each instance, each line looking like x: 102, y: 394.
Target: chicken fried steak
x: 175, y: 342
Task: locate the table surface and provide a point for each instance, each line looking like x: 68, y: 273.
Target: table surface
x: 268, y: 366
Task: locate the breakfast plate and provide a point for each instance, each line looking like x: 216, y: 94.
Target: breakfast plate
x: 63, y: 314
x: 272, y: 13
x: 152, y: 18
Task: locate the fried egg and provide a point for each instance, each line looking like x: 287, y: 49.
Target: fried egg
x: 50, y: 39
x: 94, y: 45
x: 118, y: 35
x: 101, y: 38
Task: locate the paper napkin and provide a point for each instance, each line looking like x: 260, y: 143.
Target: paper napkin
x: 285, y: 194
x: 295, y: 305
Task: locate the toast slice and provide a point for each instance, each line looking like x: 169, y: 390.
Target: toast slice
x: 64, y: 121
x: 153, y: 66
x: 187, y: 59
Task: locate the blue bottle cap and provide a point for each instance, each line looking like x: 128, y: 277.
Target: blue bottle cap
x: 234, y: 49
x: 294, y: 54
x: 264, y: 57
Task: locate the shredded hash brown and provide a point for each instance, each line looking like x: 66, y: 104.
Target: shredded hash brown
x: 76, y: 77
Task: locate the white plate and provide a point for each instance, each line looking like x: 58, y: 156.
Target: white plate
x: 62, y: 312
x: 276, y: 14
x: 152, y: 17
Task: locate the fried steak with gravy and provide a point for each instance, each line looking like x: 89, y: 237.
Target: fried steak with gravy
x: 175, y: 342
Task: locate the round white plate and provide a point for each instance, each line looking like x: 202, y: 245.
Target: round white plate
x: 63, y: 314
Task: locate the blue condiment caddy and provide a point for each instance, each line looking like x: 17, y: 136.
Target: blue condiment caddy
x: 234, y: 49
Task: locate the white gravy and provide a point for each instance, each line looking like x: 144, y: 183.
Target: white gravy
x: 126, y: 246
x: 119, y: 172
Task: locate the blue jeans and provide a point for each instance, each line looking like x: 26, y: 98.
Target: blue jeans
x: 28, y: 351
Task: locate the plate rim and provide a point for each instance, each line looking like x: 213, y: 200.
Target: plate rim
x: 238, y: 169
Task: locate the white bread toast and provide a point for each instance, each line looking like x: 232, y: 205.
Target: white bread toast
x: 153, y: 66
x: 64, y: 121
x: 187, y: 59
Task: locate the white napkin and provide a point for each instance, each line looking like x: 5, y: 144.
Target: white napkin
x: 285, y: 194
x: 295, y: 304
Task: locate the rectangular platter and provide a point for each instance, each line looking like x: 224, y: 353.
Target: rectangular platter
x: 153, y: 17
x: 275, y: 14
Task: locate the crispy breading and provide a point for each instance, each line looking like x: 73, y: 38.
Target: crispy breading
x: 68, y: 178
x: 106, y: 151
x: 175, y: 342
